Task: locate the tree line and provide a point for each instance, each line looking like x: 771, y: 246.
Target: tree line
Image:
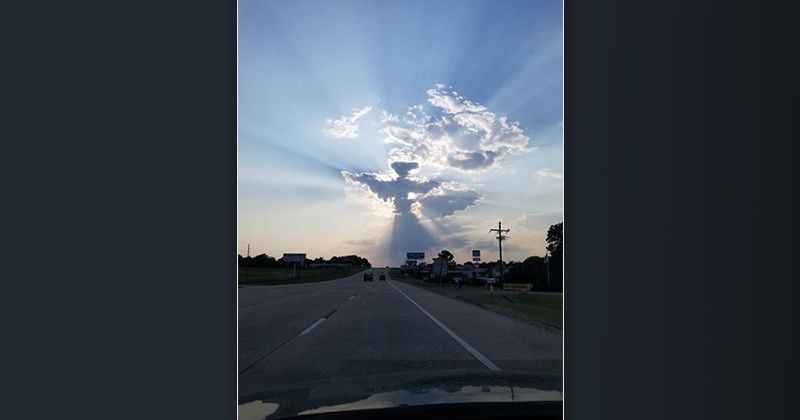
x: 264, y: 260
x: 544, y: 273
x: 535, y: 269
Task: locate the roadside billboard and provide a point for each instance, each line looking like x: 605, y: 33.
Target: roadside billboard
x: 415, y: 255
x: 296, y: 257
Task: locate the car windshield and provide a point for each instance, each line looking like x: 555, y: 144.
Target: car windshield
x: 400, y: 204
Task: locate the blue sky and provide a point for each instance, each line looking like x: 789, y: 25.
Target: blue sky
x: 463, y: 97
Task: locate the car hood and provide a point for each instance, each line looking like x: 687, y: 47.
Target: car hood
x: 400, y: 391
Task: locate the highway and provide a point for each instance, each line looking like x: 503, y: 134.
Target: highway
x: 367, y: 335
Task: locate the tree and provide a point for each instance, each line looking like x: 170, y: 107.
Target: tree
x: 447, y: 256
x: 533, y: 270
x: 555, y: 239
x: 555, y: 245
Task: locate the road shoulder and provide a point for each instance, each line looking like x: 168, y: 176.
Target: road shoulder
x: 538, y: 309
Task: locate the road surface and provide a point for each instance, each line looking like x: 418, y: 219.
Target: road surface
x: 368, y: 334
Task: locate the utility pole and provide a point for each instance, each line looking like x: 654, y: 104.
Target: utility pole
x: 547, y: 261
x: 500, y: 238
x: 247, y: 267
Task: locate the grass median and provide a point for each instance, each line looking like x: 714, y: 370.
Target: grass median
x: 272, y: 275
x: 531, y: 306
x: 534, y: 307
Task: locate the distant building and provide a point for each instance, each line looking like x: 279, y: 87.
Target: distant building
x: 463, y: 270
x: 496, y: 270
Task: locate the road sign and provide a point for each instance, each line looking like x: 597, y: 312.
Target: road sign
x: 415, y: 255
x: 294, y: 257
x: 476, y: 256
x: 440, y: 267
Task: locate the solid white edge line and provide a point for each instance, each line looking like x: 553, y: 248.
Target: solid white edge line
x: 475, y: 353
x: 312, y: 326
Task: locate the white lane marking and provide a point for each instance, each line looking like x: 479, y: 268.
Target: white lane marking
x: 481, y: 358
x: 312, y: 326
x: 352, y: 297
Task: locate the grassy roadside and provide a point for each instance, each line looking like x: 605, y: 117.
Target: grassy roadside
x: 533, y: 307
x: 396, y: 275
x: 273, y: 276
x: 544, y: 308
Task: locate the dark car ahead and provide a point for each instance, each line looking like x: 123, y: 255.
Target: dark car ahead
x: 368, y: 276
x: 382, y: 276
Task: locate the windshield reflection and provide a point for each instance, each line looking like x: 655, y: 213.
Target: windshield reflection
x: 442, y: 396
x: 256, y: 410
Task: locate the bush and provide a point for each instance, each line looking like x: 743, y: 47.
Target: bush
x: 534, y: 271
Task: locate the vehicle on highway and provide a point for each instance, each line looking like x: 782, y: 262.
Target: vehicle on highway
x: 382, y: 277
x: 368, y: 275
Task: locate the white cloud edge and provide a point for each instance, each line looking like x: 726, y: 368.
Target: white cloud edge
x: 345, y: 126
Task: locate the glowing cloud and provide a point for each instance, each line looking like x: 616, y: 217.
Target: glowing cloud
x: 451, y: 131
x: 345, y: 126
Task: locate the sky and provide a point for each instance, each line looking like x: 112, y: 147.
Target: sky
x: 383, y: 127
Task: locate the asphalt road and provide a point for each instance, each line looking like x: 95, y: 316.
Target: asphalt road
x: 364, y: 332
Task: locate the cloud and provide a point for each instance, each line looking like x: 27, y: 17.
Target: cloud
x: 446, y: 131
x: 447, y: 203
x: 345, y: 126
x: 388, y: 117
x: 455, y: 242
x: 429, y: 198
x: 401, y: 192
x: 451, y: 102
x: 403, y: 168
x: 473, y: 160
x: 541, y: 221
x: 549, y: 174
x: 359, y: 242
x: 450, y: 131
x: 485, y: 245
x: 489, y: 249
